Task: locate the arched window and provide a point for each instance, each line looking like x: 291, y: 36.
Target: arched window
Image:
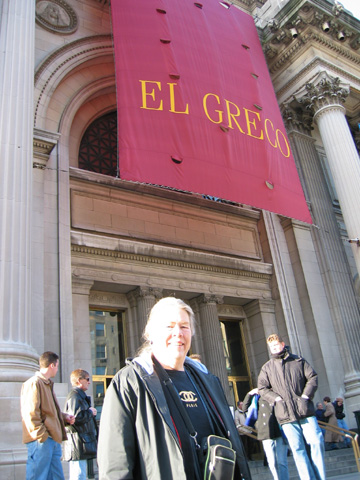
x: 98, y: 147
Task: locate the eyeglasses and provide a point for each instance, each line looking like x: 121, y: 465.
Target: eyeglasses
x: 87, y: 379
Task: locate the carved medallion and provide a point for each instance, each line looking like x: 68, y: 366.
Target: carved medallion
x: 56, y: 16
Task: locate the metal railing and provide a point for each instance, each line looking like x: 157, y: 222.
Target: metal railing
x: 353, y: 436
x: 249, y: 431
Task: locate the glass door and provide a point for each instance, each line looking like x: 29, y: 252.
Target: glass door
x: 108, y: 351
x: 237, y: 365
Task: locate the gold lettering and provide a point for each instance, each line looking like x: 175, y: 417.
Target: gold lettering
x: 151, y: 94
x: 266, y: 131
x: 233, y: 115
x: 172, y: 100
x: 217, y: 111
x: 252, y: 122
x: 286, y: 143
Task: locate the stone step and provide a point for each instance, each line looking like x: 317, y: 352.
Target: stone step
x: 337, y: 462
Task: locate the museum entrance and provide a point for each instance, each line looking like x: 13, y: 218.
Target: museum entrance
x: 108, y: 351
x: 237, y: 365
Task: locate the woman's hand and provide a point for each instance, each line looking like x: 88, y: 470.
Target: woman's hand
x: 70, y: 419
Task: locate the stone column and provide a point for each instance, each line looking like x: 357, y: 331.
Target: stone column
x: 146, y: 297
x: 262, y: 322
x: 82, y: 341
x: 325, y: 97
x: 197, y: 345
x: 132, y: 333
x: 18, y: 359
x: 43, y: 144
x: 212, y: 339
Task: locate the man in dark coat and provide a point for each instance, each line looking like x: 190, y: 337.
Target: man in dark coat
x: 289, y: 383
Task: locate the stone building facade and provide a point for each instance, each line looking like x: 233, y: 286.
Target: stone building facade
x: 84, y: 254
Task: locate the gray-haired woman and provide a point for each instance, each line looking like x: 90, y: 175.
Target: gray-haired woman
x: 142, y: 432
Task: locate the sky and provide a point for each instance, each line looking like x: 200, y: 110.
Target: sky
x: 353, y: 6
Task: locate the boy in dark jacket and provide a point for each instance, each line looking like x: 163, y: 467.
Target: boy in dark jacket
x: 268, y: 431
x: 289, y: 383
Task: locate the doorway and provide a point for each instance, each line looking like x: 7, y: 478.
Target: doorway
x: 108, y: 351
x: 236, y: 358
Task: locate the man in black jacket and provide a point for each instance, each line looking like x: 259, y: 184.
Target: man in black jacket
x: 289, y: 383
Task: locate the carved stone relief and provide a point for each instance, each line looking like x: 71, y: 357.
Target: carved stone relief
x: 56, y: 16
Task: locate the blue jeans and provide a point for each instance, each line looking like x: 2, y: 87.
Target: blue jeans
x: 295, y: 433
x: 276, y: 454
x: 77, y: 469
x: 343, y: 424
x: 44, y: 461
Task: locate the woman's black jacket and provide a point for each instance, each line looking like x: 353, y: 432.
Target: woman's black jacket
x: 138, y: 439
x: 82, y: 436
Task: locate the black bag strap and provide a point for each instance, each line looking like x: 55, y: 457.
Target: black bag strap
x: 164, y: 377
x: 214, y: 417
x: 166, y: 380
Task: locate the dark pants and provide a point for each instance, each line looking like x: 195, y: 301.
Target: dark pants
x: 248, y: 446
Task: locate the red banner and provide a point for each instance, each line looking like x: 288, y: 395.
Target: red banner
x: 196, y: 106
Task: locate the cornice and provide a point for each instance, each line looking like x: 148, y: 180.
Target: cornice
x: 87, y: 177
x: 248, y: 4
x: 299, y: 23
x: 313, y: 65
x: 43, y: 144
x: 157, y: 261
x: 301, y: 44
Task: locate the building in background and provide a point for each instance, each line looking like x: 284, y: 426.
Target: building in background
x: 85, y: 255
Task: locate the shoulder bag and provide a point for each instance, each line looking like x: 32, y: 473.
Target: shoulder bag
x: 215, y: 454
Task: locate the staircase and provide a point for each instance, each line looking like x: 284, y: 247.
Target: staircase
x: 337, y: 463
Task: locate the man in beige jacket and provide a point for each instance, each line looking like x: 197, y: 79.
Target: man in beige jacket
x: 43, y: 422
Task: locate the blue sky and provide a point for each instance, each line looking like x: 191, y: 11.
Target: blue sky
x: 353, y: 6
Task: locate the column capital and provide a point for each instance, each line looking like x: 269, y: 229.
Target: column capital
x: 81, y: 286
x: 211, y: 298
x: 322, y: 92
x: 297, y: 118
x: 144, y: 292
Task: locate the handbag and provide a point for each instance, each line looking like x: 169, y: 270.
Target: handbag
x: 216, y: 458
x: 80, y: 446
x: 88, y: 445
x: 220, y: 459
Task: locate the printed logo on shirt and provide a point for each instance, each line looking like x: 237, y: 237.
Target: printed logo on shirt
x: 188, y: 397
